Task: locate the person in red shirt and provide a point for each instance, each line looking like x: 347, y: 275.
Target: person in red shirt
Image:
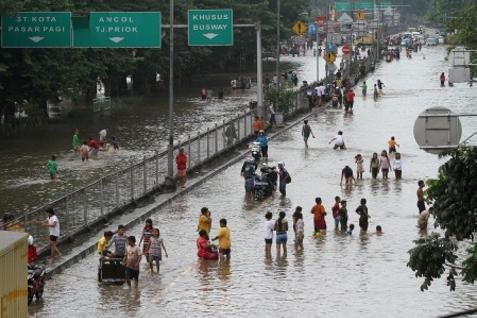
x: 204, y: 249
x: 319, y: 213
x: 93, y: 145
x: 181, y: 162
x: 31, y: 253
x: 349, y: 100
x: 443, y: 79
x: 336, y: 211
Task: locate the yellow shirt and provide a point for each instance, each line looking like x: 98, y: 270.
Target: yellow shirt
x: 102, y: 245
x: 224, y: 238
x: 392, y: 143
x: 203, y: 223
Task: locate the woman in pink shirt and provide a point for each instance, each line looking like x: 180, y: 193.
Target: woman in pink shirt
x: 384, y: 164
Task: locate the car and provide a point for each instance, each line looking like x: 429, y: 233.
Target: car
x: 432, y: 41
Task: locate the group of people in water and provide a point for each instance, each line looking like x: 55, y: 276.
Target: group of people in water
x: 84, y: 149
x: 378, y: 163
x: 91, y: 147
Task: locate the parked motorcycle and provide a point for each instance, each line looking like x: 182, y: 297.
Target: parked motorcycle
x: 266, y: 183
x: 36, y: 282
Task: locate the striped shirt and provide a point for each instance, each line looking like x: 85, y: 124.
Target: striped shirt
x: 155, y: 247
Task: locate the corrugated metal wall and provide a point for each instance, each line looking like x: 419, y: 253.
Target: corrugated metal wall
x: 13, y: 275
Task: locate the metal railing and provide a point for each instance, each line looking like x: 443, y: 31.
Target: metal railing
x: 79, y: 209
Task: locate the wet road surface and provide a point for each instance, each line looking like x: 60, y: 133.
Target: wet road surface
x: 335, y: 275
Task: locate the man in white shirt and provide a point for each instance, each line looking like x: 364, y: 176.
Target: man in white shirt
x: 102, y: 137
x: 54, y: 231
x: 339, y: 141
x: 269, y: 228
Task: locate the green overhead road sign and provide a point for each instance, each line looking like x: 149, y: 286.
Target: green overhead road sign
x: 37, y: 30
x: 356, y: 5
x: 210, y: 27
x: 118, y: 30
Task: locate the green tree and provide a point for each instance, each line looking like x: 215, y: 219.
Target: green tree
x: 454, y: 196
x: 465, y: 27
x: 33, y: 76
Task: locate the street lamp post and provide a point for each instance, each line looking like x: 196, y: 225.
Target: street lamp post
x: 277, y: 66
x: 317, y: 51
x: 170, y: 152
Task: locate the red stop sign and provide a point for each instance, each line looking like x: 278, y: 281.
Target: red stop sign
x: 346, y: 49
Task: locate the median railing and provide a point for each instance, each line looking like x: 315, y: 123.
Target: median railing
x: 80, y: 209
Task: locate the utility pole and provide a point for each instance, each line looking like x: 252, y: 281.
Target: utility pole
x: 277, y: 66
x: 317, y: 53
x: 259, y: 70
x: 170, y: 152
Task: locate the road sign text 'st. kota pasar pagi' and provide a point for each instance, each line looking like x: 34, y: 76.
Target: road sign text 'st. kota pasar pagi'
x: 36, y: 29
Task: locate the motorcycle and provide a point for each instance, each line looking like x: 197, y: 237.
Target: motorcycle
x: 266, y: 183
x: 36, y: 282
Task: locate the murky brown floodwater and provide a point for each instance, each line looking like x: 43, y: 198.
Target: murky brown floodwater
x: 140, y: 125
x: 336, y: 275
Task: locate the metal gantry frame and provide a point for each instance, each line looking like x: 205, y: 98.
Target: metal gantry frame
x: 171, y: 26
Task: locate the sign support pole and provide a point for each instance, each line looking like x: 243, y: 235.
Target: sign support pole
x: 259, y: 69
x: 170, y: 152
x: 317, y: 55
x: 277, y: 66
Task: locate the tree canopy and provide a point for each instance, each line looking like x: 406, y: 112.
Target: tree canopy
x: 35, y: 75
x: 454, y: 197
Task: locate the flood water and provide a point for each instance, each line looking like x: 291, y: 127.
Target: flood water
x: 335, y: 275
x: 140, y: 125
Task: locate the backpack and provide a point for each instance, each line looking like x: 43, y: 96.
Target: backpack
x: 249, y: 171
x: 287, y: 178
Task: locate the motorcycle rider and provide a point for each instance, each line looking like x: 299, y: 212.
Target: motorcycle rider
x: 248, y: 172
x: 263, y: 140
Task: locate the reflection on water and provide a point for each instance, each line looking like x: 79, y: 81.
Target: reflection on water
x: 141, y: 127
x: 336, y: 275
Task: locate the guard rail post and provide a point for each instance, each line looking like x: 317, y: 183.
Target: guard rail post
x: 101, y: 196
x: 67, y: 208
x: 116, y: 185
x: 188, y: 151
x: 216, y: 139
x: 238, y: 128
x: 85, y: 208
x: 144, y: 172
x: 132, y: 183
x: 207, y: 138
x: 223, y: 135
x: 156, y: 156
x: 198, y: 147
